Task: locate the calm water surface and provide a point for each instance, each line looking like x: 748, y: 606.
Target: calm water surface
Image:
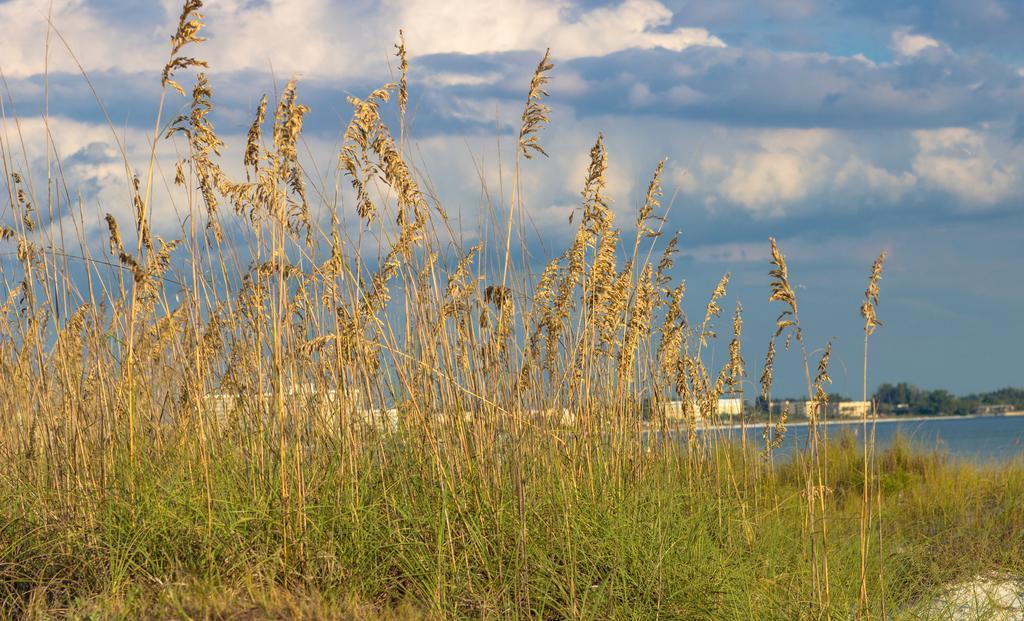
x: 973, y: 438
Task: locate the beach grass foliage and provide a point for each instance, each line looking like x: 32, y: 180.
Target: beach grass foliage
x: 312, y: 397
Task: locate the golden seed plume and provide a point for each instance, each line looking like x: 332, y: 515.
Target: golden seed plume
x: 252, y: 142
x: 602, y: 272
x: 639, y: 321
x: 662, y: 278
x: 613, y: 305
x: 772, y: 436
x: 713, y: 309
x: 782, y: 291
x: 288, y: 121
x: 116, y: 247
x: 652, y: 201
x: 535, y: 114
x: 141, y: 225
x: 671, y: 329
x: 354, y: 157
x: 403, y: 66
x: 190, y: 22
x: 204, y: 145
x: 457, y: 292
x: 768, y: 372
x: 734, y: 374
x: 869, y: 307
x: 820, y: 399
x: 597, y: 216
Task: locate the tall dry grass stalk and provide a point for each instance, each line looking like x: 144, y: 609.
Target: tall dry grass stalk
x: 816, y: 488
x: 869, y: 310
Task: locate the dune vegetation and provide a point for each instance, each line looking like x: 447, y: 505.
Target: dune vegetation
x: 313, y: 399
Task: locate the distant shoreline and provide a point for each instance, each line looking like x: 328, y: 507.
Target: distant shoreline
x: 858, y: 421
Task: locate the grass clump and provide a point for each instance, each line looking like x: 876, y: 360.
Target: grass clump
x: 416, y: 535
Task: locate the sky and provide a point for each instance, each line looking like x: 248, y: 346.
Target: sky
x: 840, y: 127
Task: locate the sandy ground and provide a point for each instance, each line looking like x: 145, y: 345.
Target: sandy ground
x: 993, y: 597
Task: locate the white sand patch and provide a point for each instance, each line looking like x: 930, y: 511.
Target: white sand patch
x: 992, y: 597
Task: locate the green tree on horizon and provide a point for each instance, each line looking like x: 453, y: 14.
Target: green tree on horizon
x: 905, y: 397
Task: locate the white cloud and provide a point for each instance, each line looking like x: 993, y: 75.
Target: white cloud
x: 860, y: 57
x: 639, y: 95
x: 91, y: 41
x: 864, y: 178
x: 434, y: 26
x: 906, y: 43
x: 288, y: 35
x: 732, y: 252
x: 92, y: 165
x: 761, y: 182
x: 301, y: 36
x: 293, y: 36
x: 968, y: 164
x: 93, y: 168
x: 447, y: 78
x: 684, y: 95
x: 571, y: 83
x: 784, y: 167
x: 775, y: 173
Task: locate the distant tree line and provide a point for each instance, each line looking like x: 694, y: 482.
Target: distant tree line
x: 904, y: 398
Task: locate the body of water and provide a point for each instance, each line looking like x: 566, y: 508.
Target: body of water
x: 974, y: 438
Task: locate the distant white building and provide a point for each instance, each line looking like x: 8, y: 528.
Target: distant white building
x: 850, y: 409
x: 838, y: 409
x: 673, y: 410
x: 994, y: 410
x: 676, y: 409
x: 797, y: 409
x: 303, y: 402
x: 730, y: 407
